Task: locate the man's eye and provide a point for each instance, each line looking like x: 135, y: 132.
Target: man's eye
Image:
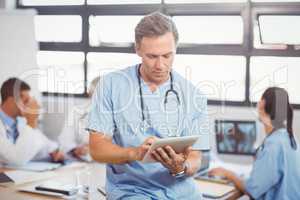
x: 167, y: 56
x: 152, y: 56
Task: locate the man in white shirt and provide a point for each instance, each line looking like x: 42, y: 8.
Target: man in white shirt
x: 20, y: 139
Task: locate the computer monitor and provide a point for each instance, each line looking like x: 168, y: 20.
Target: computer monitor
x: 235, y: 137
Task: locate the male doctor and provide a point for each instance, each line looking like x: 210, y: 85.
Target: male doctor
x: 134, y: 106
x: 20, y: 140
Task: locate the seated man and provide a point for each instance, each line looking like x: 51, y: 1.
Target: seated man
x: 20, y: 140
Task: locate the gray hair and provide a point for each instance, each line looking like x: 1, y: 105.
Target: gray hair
x: 153, y: 25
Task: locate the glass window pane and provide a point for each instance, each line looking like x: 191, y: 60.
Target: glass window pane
x: 112, y: 29
x: 102, y: 63
x: 51, y: 2
x: 210, y: 29
x: 218, y: 77
x: 61, y: 71
x: 101, y: 2
x: 280, y: 29
x: 275, y: 0
x: 204, y: 1
x: 257, y: 43
x: 58, y: 28
x: 274, y: 71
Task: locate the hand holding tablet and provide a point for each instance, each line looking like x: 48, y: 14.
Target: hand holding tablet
x: 178, y: 144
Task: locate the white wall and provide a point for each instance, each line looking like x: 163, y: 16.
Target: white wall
x: 18, y: 47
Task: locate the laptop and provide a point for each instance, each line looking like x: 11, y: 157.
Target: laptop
x: 202, y: 174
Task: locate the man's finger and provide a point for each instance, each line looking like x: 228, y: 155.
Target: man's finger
x: 163, y: 155
x: 187, y: 151
x: 145, y: 147
x: 156, y: 156
x: 171, y: 153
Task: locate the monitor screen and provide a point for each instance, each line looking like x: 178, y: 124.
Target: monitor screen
x: 235, y: 137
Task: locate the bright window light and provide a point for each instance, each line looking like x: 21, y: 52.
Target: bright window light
x: 103, y: 63
x: 111, y: 30
x: 274, y: 71
x: 102, y: 2
x: 218, y: 77
x: 61, y: 72
x: 204, y: 1
x: 210, y: 29
x: 51, y: 2
x: 280, y: 29
x: 58, y: 28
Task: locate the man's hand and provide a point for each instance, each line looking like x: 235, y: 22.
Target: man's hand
x: 80, y: 151
x: 57, y: 156
x: 170, y: 159
x: 220, y: 172
x: 138, y: 153
x: 31, y: 112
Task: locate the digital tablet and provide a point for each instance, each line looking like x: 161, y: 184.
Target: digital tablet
x: 177, y: 143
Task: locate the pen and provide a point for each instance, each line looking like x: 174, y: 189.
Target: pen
x: 101, y: 191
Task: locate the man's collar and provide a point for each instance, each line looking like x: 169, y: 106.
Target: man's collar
x: 7, y: 120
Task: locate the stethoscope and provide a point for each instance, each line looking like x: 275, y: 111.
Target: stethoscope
x: 146, y: 123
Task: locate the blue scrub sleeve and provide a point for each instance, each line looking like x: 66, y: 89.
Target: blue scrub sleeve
x: 100, y: 118
x: 266, y: 170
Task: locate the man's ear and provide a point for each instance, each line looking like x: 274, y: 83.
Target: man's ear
x: 137, y: 49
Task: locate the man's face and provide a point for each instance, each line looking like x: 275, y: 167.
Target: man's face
x: 23, y: 100
x: 25, y: 96
x: 157, y: 55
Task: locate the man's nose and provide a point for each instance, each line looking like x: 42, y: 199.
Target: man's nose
x: 159, y: 63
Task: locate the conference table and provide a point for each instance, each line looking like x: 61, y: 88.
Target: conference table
x: 76, y: 174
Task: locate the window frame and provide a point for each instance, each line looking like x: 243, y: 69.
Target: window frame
x: 249, y: 11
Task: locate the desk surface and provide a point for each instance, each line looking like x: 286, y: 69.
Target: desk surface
x: 69, y: 174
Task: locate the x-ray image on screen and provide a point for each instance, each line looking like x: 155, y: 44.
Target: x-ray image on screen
x: 235, y: 137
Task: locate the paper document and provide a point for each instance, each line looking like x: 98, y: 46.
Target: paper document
x: 31, y: 189
x: 36, y: 166
x: 20, y: 177
x: 214, y: 190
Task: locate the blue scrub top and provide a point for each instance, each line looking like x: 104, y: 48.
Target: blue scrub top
x: 276, y: 170
x: 116, y: 112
